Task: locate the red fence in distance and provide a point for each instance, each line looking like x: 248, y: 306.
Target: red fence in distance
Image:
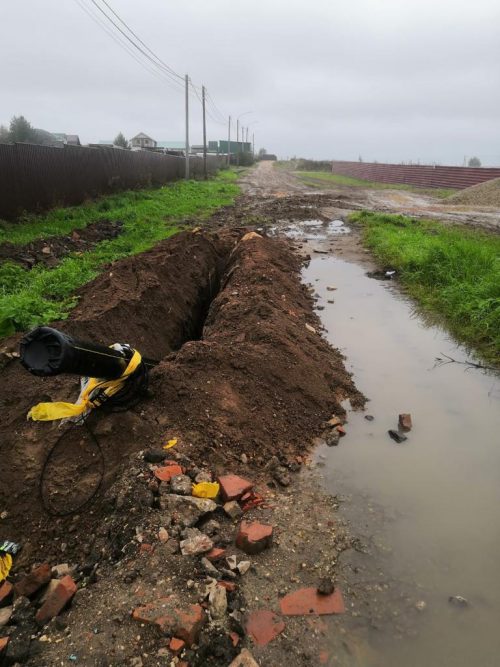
x: 425, y: 176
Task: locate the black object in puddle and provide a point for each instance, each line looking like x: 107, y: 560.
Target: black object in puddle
x: 397, y: 436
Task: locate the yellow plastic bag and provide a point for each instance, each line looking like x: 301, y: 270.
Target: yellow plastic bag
x: 5, y: 565
x: 206, y: 490
x: 170, y: 444
x: 59, y: 410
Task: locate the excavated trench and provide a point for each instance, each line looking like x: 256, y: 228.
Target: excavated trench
x: 227, y: 317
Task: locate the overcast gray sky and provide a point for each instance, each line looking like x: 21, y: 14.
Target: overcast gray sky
x: 389, y: 80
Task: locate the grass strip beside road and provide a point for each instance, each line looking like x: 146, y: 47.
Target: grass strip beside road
x: 453, y: 272
x: 32, y: 297
x: 317, y: 178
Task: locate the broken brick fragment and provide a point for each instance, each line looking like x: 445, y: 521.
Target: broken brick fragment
x: 233, y: 487
x: 6, y: 591
x: 405, y: 421
x: 165, y: 473
x: 251, y: 500
x: 263, y: 626
x: 33, y: 581
x: 254, y: 537
x: 230, y: 586
x: 307, y: 601
x: 235, y: 638
x: 57, y: 600
x: 176, y: 645
x: 215, y: 554
x: 173, y: 617
x: 340, y: 430
x: 146, y: 549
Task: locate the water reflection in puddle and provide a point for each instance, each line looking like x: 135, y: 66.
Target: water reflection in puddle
x: 311, y: 230
x: 432, y: 504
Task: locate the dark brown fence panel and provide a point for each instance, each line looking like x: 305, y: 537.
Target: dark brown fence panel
x: 419, y: 175
x: 35, y: 178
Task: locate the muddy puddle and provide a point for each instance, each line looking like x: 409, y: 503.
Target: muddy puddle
x: 311, y: 230
x: 427, y: 511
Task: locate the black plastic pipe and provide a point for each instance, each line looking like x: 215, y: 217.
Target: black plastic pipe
x: 46, y: 352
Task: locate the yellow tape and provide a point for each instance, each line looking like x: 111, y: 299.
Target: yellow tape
x: 60, y: 410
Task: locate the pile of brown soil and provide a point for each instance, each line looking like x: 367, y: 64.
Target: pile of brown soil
x: 484, y: 194
x: 240, y: 371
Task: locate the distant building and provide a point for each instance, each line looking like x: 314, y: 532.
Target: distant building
x: 142, y: 140
x: 66, y: 139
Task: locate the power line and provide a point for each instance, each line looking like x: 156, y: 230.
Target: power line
x: 161, y: 67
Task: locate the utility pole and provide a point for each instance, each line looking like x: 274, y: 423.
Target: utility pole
x: 187, y: 127
x: 238, y: 142
x: 253, y: 144
x: 204, y: 134
x: 229, y: 142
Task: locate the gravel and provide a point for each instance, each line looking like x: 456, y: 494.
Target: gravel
x: 484, y: 194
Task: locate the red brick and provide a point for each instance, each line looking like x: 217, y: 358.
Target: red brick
x: 263, y: 626
x: 254, y: 537
x: 146, y: 549
x: 230, y: 586
x: 173, y: 618
x: 3, y: 645
x: 233, y: 487
x: 405, y: 421
x: 37, y: 578
x: 6, y: 590
x: 251, y: 500
x: 176, y: 645
x: 307, y: 601
x: 235, y: 638
x: 166, y: 473
x: 57, y: 600
x: 215, y: 554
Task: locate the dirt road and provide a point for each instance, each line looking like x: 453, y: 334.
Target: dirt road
x: 270, y: 181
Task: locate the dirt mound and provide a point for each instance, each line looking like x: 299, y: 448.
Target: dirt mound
x: 49, y: 251
x: 484, y: 194
x: 241, y: 371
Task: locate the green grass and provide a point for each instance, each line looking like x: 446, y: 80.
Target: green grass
x: 452, y: 272
x: 317, y: 178
x: 29, y: 298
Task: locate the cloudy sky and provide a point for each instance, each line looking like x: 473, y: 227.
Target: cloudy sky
x: 389, y: 80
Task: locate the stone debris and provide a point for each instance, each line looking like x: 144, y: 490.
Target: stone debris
x: 405, y: 423
x: 254, y: 537
x: 187, y: 510
x: 244, y: 659
x: 263, y: 626
x: 325, y: 586
x: 233, y: 487
x: 369, y: 418
x: 154, y: 456
x: 397, y: 436
x: 61, y: 570
x: 163, y: 534
x: 209, y: 568
x: 5, y: 614
x: 198, y: 543
x: 243, y: 566
x: 458, y: 601
x: 173, y: 617
x: 307, y: 601
x: 57, y: 600
x: 233, y: 510
x: 181, y: 485
x: 217, y: 603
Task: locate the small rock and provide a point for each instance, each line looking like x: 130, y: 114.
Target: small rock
x: 330, y: 288
x: 397, y: 436
x: 420, y: 605
x: 233, y: 510
x: 325, y: 586
x: 163, y: 534
x: 244, y: 659
x: 232, y: 562
x: 211, y: 527
x: 334, y: 421
x: 458, y: 601
x: 405, y: 421
x: 243, y: 566
x: 217, y: 602
x: 154, y: 456
x: 281, y: 476
x: 310, y: 328
x: 196, y: 545
x: 244, y: 459
x: 181, y: 484
x: 5, y: 614
x: 61, y: 570
x: 369, y: 418
x: 186, y: 509
x: 332, y: 438
x: 203, y: 476
x: 209, y: 568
